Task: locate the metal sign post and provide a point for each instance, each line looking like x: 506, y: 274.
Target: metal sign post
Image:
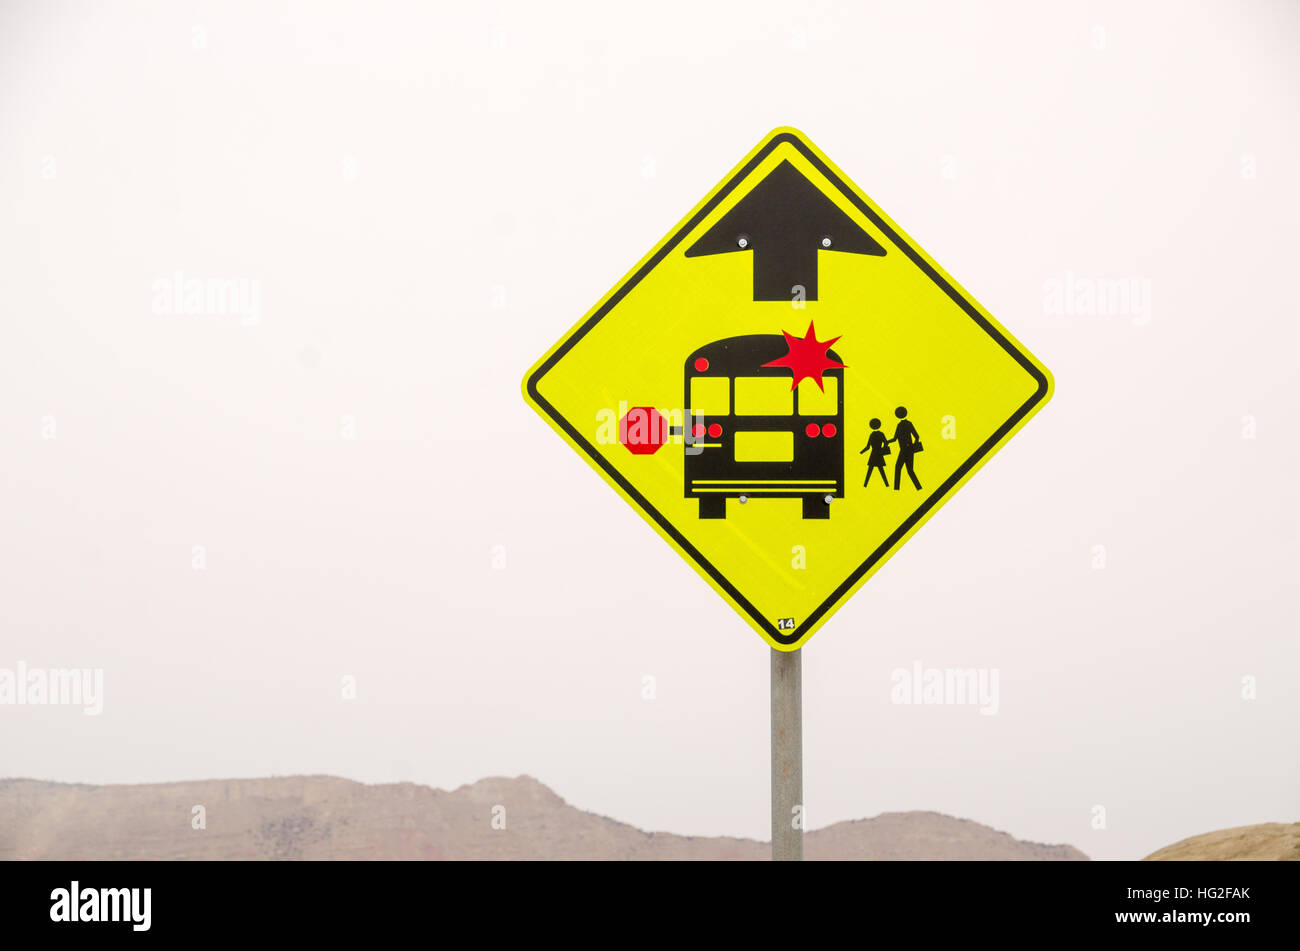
x: 787, y: 756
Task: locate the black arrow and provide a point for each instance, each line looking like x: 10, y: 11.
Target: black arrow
x: 785, y: 221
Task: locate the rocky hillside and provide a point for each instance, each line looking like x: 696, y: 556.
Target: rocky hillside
x: 1269, y: 841
x: 322, y: 817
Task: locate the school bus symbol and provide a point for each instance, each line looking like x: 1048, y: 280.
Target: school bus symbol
x: 748, y: 434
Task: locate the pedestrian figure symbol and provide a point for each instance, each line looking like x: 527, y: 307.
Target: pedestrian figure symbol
x: 909, y: 444
x: 878, y: 445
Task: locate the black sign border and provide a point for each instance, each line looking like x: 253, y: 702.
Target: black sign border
x: 789, y: 637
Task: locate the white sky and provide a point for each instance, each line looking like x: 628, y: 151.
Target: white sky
x: 428, y: 195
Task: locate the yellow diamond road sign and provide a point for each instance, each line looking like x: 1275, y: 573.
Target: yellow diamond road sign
x: 786, y: 387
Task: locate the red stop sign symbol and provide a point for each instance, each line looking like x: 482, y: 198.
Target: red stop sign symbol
x: 643, y: 430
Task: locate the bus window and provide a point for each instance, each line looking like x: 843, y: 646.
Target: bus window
x: 815, y: 402
x: 711, y: 396
x: 764, y: 396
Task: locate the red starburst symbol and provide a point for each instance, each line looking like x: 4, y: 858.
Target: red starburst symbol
x: 807, y: 358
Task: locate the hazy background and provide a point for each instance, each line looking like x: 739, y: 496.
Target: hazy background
x: 429, y: 195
